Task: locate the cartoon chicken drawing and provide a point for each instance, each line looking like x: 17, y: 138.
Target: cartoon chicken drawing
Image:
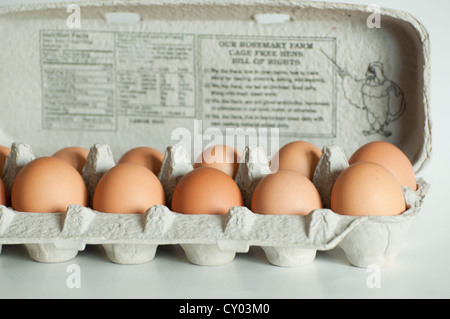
x: 382, y: 99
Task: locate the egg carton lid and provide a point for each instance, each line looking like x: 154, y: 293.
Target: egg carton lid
x: 357, y: 73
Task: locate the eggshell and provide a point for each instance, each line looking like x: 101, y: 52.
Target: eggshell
x: 48, y: 185
x: 74, y: 155
x: 389, y: 156
x: 299, y: 156
x: 128, y: 188
x: 285, y: 192
x: 4, y: 195
x: 221, y: 157
x: 367, y: 189
x: 145, y: 156
x: 4, y: 152
x: 206, y: 190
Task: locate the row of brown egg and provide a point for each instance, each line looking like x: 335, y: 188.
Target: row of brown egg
x: 371, y: 185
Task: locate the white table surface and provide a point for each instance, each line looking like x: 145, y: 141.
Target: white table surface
x: 422, y: 269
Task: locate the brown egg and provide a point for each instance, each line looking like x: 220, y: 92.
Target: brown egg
x: 367, y: 189
x: 145, y: 156
x: 298, y: 156
x: 4, y: 194
x: 389, y: 156
x: 48, y: 185
x: 128, y: 188
x: 4, y: 152
x: 221, y: 157
x: 285, y: 192
x: 74, y: 155
x: 206, y: 190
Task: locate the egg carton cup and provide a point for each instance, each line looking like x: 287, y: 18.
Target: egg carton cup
x: 287, y: 240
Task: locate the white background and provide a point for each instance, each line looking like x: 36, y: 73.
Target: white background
x: 422, y: 269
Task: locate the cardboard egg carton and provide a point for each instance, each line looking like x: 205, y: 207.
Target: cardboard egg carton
x: 206, y: 239
x: 344, y: 48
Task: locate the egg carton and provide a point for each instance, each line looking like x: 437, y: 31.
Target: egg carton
x: 287, y: 240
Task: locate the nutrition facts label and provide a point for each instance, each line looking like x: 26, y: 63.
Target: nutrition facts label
x: 91, y: 79
x: 155, y: 74
x: 78, y: 82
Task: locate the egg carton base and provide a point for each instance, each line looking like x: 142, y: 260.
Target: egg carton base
x: 197, y: 254
x: 130, y: 254
x: 48, y: 253
x: 289, y: 256
x: 209, y: 255
x: 287, y: 241
x: 361, y: 251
